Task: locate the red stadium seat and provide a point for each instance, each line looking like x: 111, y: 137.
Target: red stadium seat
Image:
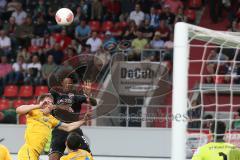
x: 4, y: 104
x: 195, y: 3
x: 190, y: 14
x: 32, y: 101
x: 18, y: 102
x: 123, y: 24
x: 107, y: 26
x: 26, y: 91
x: 22, y: 119
x: 10, y: 91
x: 40, y: 90
x: 94, y: 25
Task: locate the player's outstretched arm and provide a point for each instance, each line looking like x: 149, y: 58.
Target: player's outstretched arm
x: 24, y: 109
x: 68, y: 127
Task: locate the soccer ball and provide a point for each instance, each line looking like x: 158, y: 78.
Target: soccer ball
x: 64, y: 17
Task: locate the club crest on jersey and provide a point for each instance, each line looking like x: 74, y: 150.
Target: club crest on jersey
x: 70, y: 95
x: 45, y: 119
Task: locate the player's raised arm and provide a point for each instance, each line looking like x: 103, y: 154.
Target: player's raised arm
x: 68, y: 127
x: 24, y: 109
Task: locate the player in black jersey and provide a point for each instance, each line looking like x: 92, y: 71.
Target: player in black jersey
x: 65, y: 95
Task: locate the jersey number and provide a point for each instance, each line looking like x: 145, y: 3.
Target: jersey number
x: 223, y: 155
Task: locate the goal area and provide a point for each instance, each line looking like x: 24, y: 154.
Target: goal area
x: 206, y: 87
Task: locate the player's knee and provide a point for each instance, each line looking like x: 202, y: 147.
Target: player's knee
x: 54, y: 156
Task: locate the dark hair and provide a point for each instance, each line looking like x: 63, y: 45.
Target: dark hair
x: 43, y: 96
x: 238, y: 111
x: 209, y: 116
x: 73, y: 141
x: 218, y: 128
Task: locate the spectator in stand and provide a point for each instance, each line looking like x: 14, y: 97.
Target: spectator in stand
x: 5, y: 44
x: 24, y: 32
x: 137, y: 15
x: 10, y: 27
x: 156, y: 42
x: 19, y: 70
x: 39, y: 26
x: 84, y: 9
x: 113, y: 10
x: 147, y: 30
x: 63, y: 39
x: 168, y: 16
x: 71, y: 56
x: 109, y: 42
x: 50, y: 16
x: 5, y: 70
x: 164, y: 30
x: 78, y: 16
x: 208, y: 119
x: 40, y: 9
x: 47, y: 69
x: 94, y: 42
x: 48, y: 41
x: 22, y: 51
x: 153, y: 18
x: 138, y: 44
x: 108, y: 38
x: 216, y: 7
x: 19, y: 14
x: 180, y: 17
x: 174, y: 5
x: 96, y: 10
x: 12, y: 6
x: 86, y: 49
x: 194, y: 115
x: 236, y: 122
x: 57, y: 54
x: 131, y: 31
x: 3, y: 4
x: 33, y: 71
x: 168, y: 45
x: 82, y: 32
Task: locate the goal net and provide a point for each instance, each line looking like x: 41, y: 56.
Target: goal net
x: 206, y: 87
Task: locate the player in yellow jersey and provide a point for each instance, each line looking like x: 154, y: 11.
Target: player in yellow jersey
x: 74, y: 153
x: 218, y: 149
x: 4, y: 153
x: 39, y: 126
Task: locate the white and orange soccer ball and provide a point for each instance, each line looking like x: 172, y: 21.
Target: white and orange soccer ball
x: 64, y: 17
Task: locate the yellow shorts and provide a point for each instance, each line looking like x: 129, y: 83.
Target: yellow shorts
x: 27, y: 153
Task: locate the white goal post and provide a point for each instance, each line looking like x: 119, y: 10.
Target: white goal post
x: 184, y: 34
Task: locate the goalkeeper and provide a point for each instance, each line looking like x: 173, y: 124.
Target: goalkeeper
x: 39, y: 126
x: 218, y: 149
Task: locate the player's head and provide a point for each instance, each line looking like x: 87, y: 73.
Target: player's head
x: 67, y: 83
x: 73, y: 141
x: 48, y: 98
x: 218, y: 129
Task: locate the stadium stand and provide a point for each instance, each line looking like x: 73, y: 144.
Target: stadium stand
x: 35, y: 34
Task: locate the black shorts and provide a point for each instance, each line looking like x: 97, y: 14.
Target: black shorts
x: 59, y: 138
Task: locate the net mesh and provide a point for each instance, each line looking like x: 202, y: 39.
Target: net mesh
x: 213, y: 85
